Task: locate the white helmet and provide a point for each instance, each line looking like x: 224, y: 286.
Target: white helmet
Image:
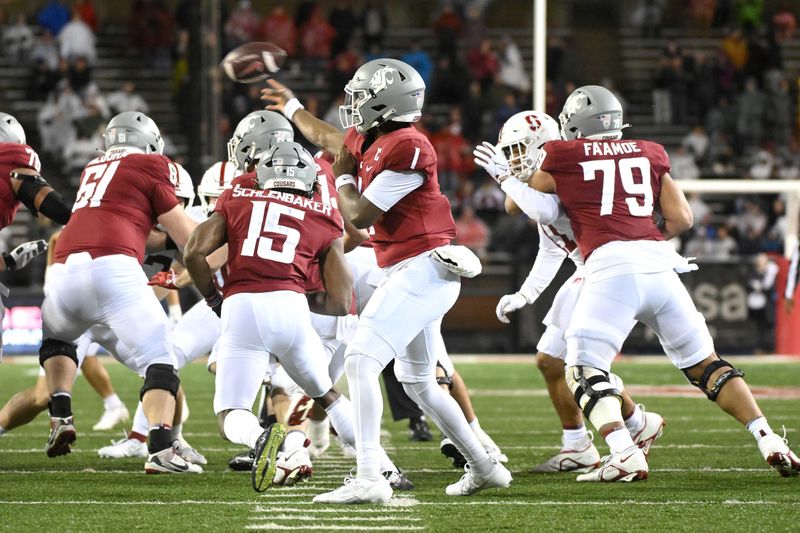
x: 521, y: 138
x: 216, y: 179
x: 184, y: 188
x: 11, y: 130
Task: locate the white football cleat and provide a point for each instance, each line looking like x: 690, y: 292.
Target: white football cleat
x: 652, y: 429
x: 776, y: 452
x: 123, y: 447
x: 357, y: 490
x: 185, y: 450
x: 168, y: 461
x: 470, y: 482
x: 625, y: 466
x: 293, y: 466
x: 581, y: 458
x: 111, y: 417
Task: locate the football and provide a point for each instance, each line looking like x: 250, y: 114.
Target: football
x: 252, y: 62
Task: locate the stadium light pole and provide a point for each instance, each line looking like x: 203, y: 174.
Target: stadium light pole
x: 539, y: 54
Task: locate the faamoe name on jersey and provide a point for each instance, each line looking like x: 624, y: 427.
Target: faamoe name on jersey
x: 305, y: 203
x: 611, y: 148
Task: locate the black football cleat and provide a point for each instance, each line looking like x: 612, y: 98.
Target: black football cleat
x: 450, y: 451
x: 62, y: 436
x: 419, y: 430
x: 242, y: 462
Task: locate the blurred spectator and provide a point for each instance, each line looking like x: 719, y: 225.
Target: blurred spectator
x: 683, y: 164
x: 749, y: 112
x: 474, y: 28
x: 18, y: 39
x: 79, y: 76
x: 343, y: 67
x: 700, y: 209
x: 126, y: 99
x: 679, y: 91
x: 749, y: 13
x: 316, y: 36
x: 647, y: 16
x: 418, y: 58
x: 53, y: 16
x: 702, y: 86
x: 762, y: 166
x: 488, y: 201
x: 512, y: 69
x: 662, y: 84
x: 344, y: 22
x: 88, y: 13
x: 483, y: 63
x: 450, y: 82
x: 373, y: 24
x: 735, y: 48
x: 757, y: 60
x: 724, y: 75
x: 447, y: 28
x: 279, y: 28
x: 453, y: 151
x: 761, y: 300
x: 507, y: 109
x: 702, y: 13
x: 77, y: 40
x: 779, y: 116
x: 472, y: 232
x: 696, y: 141
x: 472, y: 112
x: 555, y: 57
x: 242, y: 25
x: 45, y: 63
x: 723, y: 246
x: 785, y: 25
x: 750, y: 219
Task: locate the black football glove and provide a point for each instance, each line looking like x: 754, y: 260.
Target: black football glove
x: 23, y: 254
x: 215, y: 303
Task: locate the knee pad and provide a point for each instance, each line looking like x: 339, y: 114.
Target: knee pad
x: 594, y: 392
x: 712, y: 391
x: 445, y: 379
x: 52, y: 348
x: 160, y: 376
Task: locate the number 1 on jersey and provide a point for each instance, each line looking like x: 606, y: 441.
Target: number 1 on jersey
x: 608, y: 169
x: 256, y: 244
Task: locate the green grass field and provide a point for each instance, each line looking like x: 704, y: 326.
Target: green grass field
x: 706, y: 472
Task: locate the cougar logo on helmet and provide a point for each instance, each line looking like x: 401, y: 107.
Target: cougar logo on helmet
x: 382, y: 78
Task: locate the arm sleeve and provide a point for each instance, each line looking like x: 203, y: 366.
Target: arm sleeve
x: 541, y: 207
x: 791, y: 278
x: 545, y: 267
x: 389, y: 187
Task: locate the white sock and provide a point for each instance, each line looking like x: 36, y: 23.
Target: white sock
x: 340, y: 413
x: 140, y: 424
x: 177, y: 431
x: 475, y: 425
x: 365, y: 390
x: 759, y: 428
x: 447, y: 415
x: 241, y: 426
x: 294, y: 439
x: 635, y: 422
x: 572, y: 437
x: 3, y: 431
x: 619, y: 440
x: 319, y: 431
x: 112, y: 401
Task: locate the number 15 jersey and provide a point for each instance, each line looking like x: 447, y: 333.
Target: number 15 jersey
x: 121, y: 195
x: 608, y: 188
x: 274, y: 237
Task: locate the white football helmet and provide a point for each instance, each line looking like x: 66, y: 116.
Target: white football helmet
x: 184, y: 188
x: 216, y: 179
x: 11, y: 130
x: 522, y: 136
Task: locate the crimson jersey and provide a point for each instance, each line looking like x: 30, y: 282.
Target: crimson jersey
x: 608, y: 188
x: 273, y: 237
x: 12, y: 157
x: 327, y: 195
x: 121, y: 195
x: 420, y: 221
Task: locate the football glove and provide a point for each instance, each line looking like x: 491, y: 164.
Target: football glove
x: 165, y: 279
x: 508, y: 304
x: 23, y: 254
x: 215, y: 303
x: 492, y: 160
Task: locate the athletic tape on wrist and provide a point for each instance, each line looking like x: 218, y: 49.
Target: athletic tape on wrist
x: 291, y: 107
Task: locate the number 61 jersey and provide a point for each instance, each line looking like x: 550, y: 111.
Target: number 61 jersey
x: 121, y: 195
x: 274, y: 237
x: 608, y: 188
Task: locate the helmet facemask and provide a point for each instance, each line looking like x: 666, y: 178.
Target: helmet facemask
x: 520, y: 165
x: 349, y: 111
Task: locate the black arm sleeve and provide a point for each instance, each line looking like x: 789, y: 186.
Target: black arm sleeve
x: 28, y: 189
x: 54, y: 208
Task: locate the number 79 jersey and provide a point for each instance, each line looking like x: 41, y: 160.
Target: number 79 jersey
x: 121, y: 195
x: 608, y: 188
x: 274, y: 237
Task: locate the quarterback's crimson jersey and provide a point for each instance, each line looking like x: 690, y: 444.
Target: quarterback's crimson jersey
x: 608, y: 188
x: 121, y: 195
x: 419, y: 222
x: 273, y: 237
x: 12, y: 157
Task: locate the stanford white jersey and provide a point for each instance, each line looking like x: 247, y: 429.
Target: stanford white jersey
x: 559, y: 235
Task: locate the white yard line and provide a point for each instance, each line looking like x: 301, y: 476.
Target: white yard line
x: 334, y: 527
x: 384, y: 518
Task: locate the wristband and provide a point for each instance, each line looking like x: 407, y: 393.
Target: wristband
x: 291, y: 107
x: 345, y: 179
x: 214, y: 300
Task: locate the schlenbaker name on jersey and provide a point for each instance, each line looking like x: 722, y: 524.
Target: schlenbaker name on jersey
x: 305, y: 203
x: 610, y: 148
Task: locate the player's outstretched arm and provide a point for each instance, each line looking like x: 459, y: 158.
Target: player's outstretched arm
x: 177, y: 225
x: 674, y: 208
x: 337, y: 280
x: 205, y: 239
x: 38, y: 196
x: 318, y: 132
